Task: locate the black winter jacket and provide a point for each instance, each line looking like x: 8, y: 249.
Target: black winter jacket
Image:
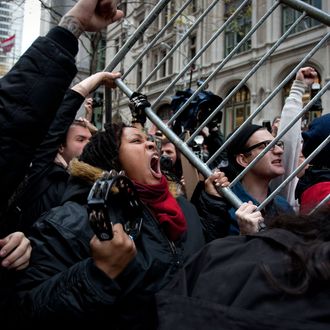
x: 30, y: 94
x: 46, y: 181
x: 223, y: 287
x: 62, y: 285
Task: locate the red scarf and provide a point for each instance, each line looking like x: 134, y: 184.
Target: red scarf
x: 164, y: 207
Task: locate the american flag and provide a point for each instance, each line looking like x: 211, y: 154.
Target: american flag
x: 7, y: 44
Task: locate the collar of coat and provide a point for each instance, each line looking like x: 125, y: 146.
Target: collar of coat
x: 85, y: 171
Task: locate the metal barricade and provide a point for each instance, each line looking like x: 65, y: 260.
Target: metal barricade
x: 184, y: 146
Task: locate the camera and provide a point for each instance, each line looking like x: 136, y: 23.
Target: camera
x: 166, y: 163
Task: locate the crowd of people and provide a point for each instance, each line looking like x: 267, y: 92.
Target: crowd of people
x: 190, y: 263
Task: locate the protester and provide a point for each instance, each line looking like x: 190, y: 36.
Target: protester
x: 31, y: 93
x: 115, y: 278
x: 277, y: 279
x: 46, y: 180
x: 171, y: 166
x: 314, y: 185
x: 292, y: 156
x: 254, y: 185
x: 33, y: 89
x: 15, y: 251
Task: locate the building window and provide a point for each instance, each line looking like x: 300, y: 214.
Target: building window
x: 237, y: 30
x: 290, y: 15
x: 139, y: 70
x: 237, y: 109
x: 101, y: 49
x: 193, y: 6
x: 154, y: 62
x: 166, y: 68
x: 117, y: 45
x: 162, y: 69
x: 139, y: 22
x: 192, y: 46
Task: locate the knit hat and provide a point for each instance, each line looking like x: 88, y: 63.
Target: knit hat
x: 318, y: 131
x: 238, y: 145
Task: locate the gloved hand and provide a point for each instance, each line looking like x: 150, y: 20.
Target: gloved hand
x: 138, y: 102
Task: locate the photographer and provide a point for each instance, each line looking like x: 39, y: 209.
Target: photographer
x: 170, y: 164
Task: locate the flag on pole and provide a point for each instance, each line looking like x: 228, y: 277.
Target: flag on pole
x: 7, y: 44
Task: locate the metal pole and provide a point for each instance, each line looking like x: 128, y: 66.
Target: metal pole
x: 184, y: 149
x: 313, y: 12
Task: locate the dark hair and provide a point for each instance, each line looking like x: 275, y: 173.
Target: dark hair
x: 103, y: 149
x: 310, y: 259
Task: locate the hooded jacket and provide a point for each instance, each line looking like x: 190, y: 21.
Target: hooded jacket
x: 30, y: 94
x: 223, y: 287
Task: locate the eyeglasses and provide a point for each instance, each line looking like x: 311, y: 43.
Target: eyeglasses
x: 263, y: 145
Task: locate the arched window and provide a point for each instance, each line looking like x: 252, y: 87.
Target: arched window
x: 237, y: 109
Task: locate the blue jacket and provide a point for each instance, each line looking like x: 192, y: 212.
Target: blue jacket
x: 277, y: 206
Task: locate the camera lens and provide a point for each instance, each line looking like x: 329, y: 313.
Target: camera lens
x: 166, y: 163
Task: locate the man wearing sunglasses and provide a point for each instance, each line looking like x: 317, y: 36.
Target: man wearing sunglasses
x: 254, y: 185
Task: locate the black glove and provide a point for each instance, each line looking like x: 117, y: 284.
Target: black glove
x: 138, y: 102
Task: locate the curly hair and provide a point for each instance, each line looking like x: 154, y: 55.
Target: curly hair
x: 310, y: 260
x: 103, y: 149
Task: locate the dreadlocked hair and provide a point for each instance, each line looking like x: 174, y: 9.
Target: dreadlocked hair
x: 103, y: 149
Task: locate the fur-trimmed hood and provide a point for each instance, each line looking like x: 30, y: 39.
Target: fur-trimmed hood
x: 82, y: 178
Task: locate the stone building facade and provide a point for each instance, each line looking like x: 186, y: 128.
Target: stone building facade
x: 255, y: 90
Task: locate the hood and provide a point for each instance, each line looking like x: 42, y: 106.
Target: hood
x: 313, y: 175
x: 82, y: 178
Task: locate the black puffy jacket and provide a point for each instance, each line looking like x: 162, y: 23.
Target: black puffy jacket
x: 30, y: 94
x: 62, y: 285
x: 223, y: 287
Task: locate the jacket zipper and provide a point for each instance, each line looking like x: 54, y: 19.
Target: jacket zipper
x: 170, y: 243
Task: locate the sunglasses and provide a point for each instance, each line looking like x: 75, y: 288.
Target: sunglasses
x: 263, y: 145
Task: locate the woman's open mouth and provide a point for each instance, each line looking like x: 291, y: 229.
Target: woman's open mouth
x: 155, y: 166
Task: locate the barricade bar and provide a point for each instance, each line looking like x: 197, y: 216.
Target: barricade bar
x: 322, y: 203
x: 259, y: 60
x: 154, y: 40
x: 184, y: 149
x: 200, y: 18
x: 313, y: 12
x: 137, y: 35
x: 279, y: 136
x: 271, y: 95
x: 198, y: 55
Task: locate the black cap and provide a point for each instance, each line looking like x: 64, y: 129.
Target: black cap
x: 238, y: 145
